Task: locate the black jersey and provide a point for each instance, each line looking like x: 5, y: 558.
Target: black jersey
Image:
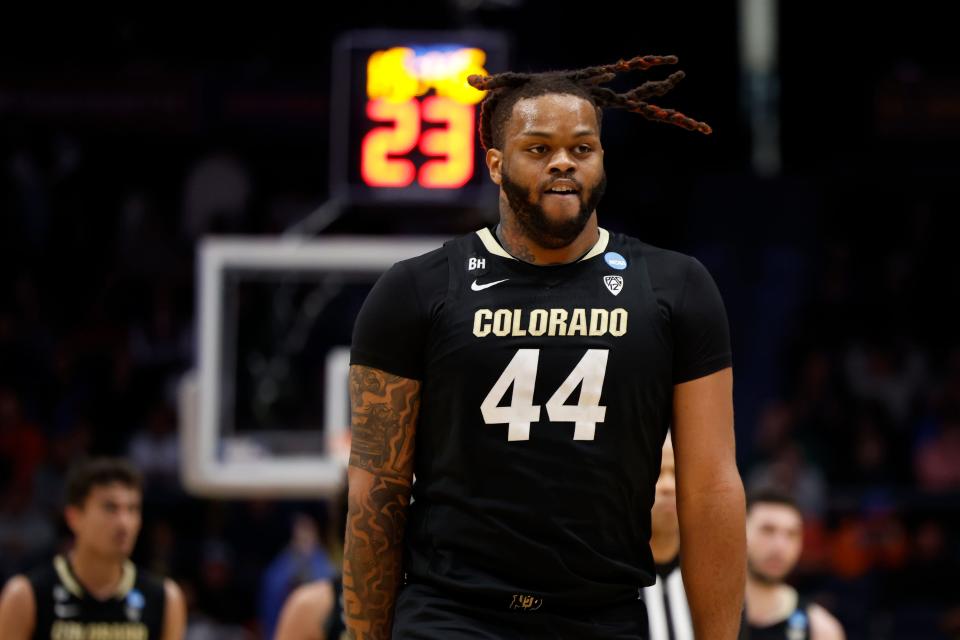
x: 795, y: 626
x: 65, y: 611
x: 335, y: 626
x: 546, y: 397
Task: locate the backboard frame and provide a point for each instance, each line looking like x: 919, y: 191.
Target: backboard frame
x: 204, y: 470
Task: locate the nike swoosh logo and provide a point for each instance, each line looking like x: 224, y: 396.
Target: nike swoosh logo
x: 481, y: 287
x: 66, y: 610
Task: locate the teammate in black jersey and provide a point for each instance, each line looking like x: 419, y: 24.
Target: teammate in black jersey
x: 94, y: 591
x: 312, y: 612
x: 527, y: 374
x: 775, y: 610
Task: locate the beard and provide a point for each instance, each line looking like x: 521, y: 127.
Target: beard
x: 761, y: 577
x: 536, y: 225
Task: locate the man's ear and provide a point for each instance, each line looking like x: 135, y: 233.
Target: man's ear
x: 72, y: 516
x: 495, y: 164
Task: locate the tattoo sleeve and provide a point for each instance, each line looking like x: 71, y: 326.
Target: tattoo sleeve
x: 384, y: 416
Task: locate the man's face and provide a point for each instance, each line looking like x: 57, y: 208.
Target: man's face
x: 774, y: 541
x: 664, y: 514
x: 109, y: 520
x: 551, y: 167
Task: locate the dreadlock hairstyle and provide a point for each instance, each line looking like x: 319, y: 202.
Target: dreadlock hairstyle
x: 506, y: 89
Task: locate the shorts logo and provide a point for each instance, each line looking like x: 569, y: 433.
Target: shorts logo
x: 524, y: 602
x: 614, y: 284
x: 615, y: 260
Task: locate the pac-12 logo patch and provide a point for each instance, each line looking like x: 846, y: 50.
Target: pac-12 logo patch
x: 614, y: 284
x: 615, y: 260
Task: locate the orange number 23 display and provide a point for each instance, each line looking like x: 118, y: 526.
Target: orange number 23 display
x: 395, y: 80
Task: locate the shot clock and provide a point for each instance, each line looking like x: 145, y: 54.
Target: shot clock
x: 404, y: 119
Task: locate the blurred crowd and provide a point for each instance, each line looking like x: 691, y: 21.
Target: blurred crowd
x: 839, y: 286
x: 97, y: 328
x: 864, y: 429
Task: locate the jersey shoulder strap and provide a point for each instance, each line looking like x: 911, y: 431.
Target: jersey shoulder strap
x: 46, y: 590
x: 42, y: 578
x: 634, y: 251
x: 798, y: 622
x: 148, y: 595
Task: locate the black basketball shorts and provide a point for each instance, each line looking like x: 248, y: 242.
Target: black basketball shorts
x: 425, y: 613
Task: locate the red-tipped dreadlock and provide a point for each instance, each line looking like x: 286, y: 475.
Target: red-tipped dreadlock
x: 505, y: 89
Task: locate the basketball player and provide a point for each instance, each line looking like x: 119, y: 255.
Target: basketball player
x: 527, y: 374
x: 94, y: 591
x: 775, y: 611
x: 307, y: 611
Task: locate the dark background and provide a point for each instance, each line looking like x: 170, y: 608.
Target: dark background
x: 839, y: 273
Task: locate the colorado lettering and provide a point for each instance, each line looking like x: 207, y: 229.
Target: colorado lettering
x: 63, y: 630
x: 549, y: 322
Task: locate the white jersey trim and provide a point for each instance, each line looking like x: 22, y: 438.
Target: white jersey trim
x: 128, y: 577
x: 599, y: 247
x: 491, y: 244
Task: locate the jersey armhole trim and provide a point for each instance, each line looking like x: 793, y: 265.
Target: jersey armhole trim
x: 372, y: 361
x: 705, y: 368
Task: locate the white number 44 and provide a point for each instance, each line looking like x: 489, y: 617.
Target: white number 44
x: 522, y: 373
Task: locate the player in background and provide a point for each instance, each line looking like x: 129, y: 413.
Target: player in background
x: 94, y: 590
x: 775, y: 611
x: 308, y: 611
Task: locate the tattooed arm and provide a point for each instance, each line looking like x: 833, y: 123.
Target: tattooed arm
x: 384, y: 417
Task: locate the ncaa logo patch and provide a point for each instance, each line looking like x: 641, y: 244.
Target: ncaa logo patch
x: 797, y: 626
x: 135, y: 604
x: 615, y: 260
x: 614, y: 284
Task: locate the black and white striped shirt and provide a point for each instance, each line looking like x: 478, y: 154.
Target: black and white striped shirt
x: 667, y: 610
